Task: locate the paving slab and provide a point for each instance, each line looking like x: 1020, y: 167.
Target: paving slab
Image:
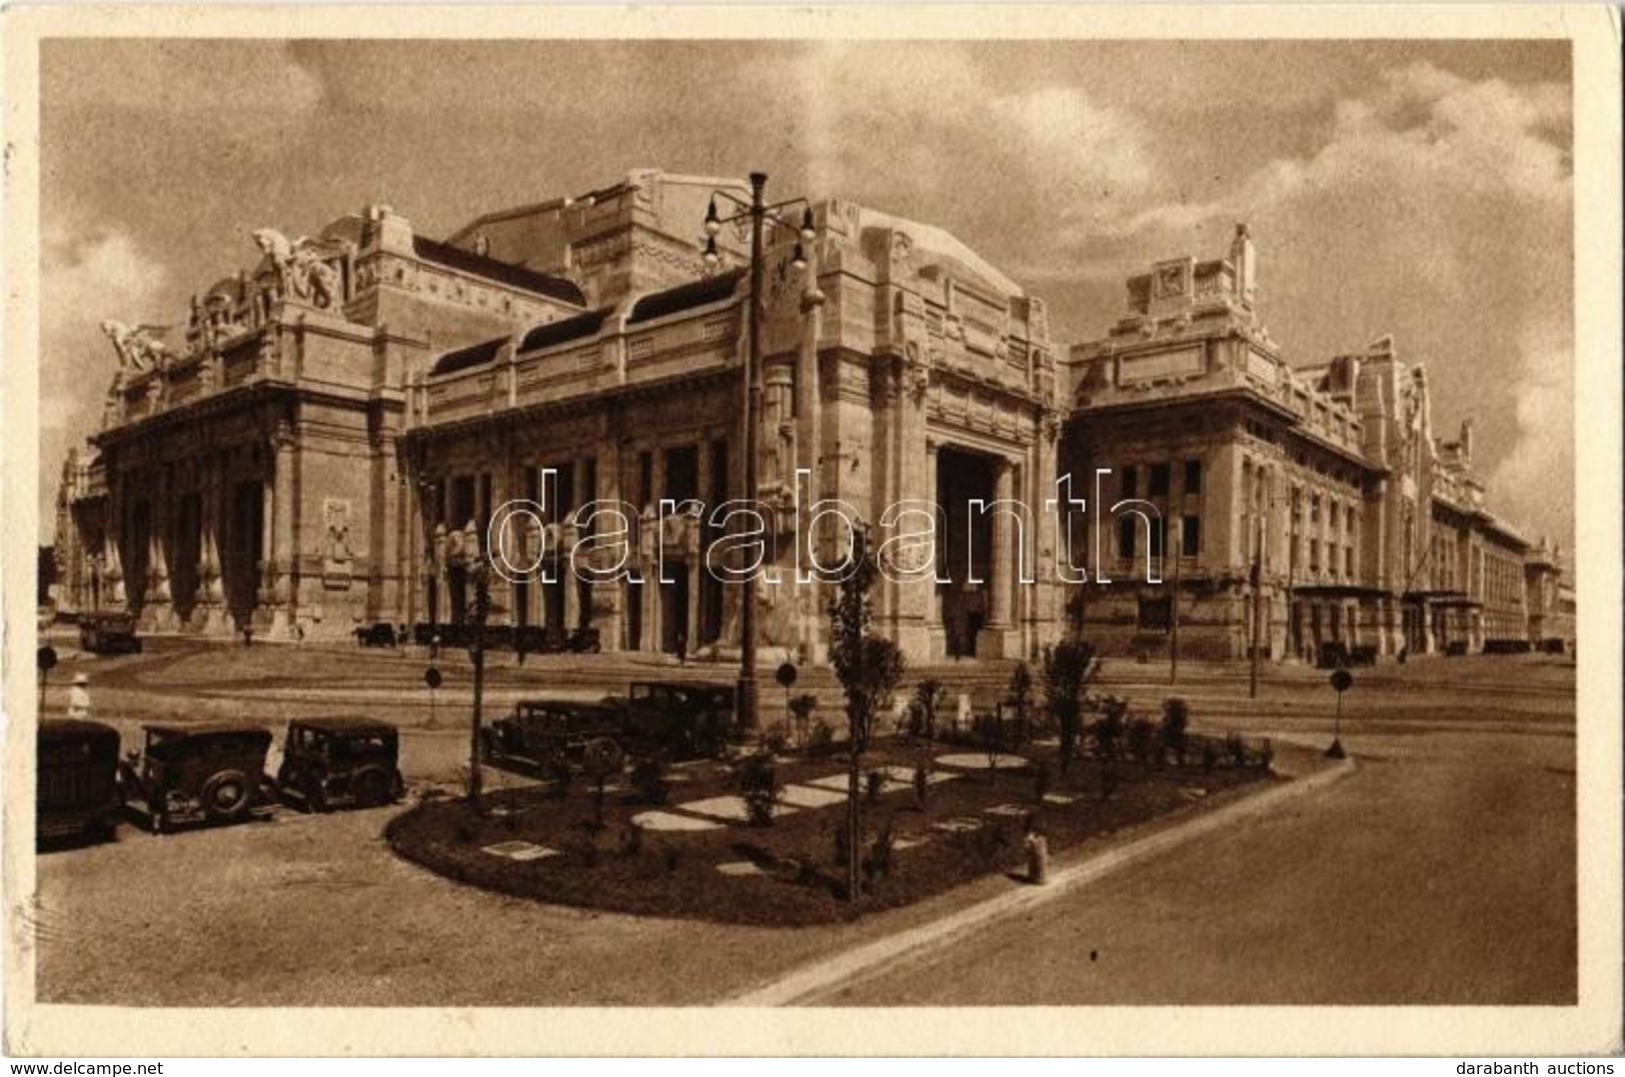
x: 665, y: 820
x: 811, y: 796
x: 978, y: 761
x: 729, y: 809
x: 520, y: 850
x: 740, y: 867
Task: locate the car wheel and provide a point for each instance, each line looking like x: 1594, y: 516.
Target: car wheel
x: 227, y: 795
x: 371, y: 788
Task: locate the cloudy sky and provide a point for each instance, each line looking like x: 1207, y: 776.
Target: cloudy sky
x: 1418, y: 189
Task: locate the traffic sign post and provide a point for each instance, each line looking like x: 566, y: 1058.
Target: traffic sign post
x: 47, y: 662
x: 1342, y: 681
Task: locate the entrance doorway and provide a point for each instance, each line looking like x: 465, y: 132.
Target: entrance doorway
x: 965, y: 548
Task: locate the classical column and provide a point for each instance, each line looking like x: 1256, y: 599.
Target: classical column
x: 992, y: 642
x: 282, y: 554
x: 210, y: 596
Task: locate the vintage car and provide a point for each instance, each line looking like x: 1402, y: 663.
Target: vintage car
x: 378, y: 634
x: 329, y: 762
x: 76, y: 787
x: 548, y: 737
x: 108, y: 633
x: 686, y: 719
x: 206, y: 772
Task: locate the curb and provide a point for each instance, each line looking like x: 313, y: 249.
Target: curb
x: 809, y: 982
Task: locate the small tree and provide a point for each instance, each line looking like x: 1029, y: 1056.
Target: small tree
x: 600, y: 760
x: 1176, y: 718
x: 1066, y: 669
x: 759, y: 785
x: 868, y: 668
x: 1019, y: 698
x: 929, y: 697
x: 1108, y: 728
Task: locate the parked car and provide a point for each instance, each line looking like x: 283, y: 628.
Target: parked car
x: 109, y: 633
x: 380, y: 634
x: 210, y: 772
x: 688, y: 719
x: 548, y: 737
x: 328, y: 762
x: 76, y: 785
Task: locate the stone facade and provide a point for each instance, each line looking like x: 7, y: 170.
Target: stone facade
x: 1313, y: 500
x: 328, y: 446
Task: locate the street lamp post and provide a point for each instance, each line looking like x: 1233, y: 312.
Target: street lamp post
x: 759, y: 213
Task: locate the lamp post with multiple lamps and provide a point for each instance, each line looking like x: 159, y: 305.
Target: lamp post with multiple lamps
x: 759, y: 213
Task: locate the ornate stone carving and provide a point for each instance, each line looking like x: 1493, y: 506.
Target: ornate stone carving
x: 140, y: 348
x: 304, y: 266
x: 337, y: 556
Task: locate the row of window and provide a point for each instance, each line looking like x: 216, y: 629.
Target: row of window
x: 1157, y: 479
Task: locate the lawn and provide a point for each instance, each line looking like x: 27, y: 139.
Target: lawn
x: 697, y: 856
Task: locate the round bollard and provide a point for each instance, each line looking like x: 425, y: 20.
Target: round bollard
x: 1037, y: 859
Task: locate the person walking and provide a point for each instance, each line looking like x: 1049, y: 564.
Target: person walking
x: 79, y: 697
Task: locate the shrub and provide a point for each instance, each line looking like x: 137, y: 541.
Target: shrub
x: 1176, y: 718
x: 1210, y: 757
x: 922, y: 785
x: 1107, y: 730
x: 874, y: 784
x: 1019, y: 698
x: 1043, y: 779
x: 930, y: 697
x: 1266, y: 754
x: 990, y: 732
x: 670, y: 857
x: 877, y: 861
x: 774, y: 742
x: 822, y: 739
x: 1236, y: 749
x: 1142, y: 737
x: 1108, y: 778
x: 758, y: 782
x: 1066, y: 668
x: 462, y: 833
x: 632, y: 840
x: 802, y: 706
x: 649, y: 780
x: 843, y: 850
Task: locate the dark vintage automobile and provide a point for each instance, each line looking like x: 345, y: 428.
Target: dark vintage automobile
x: 686, y: 719
x: 548, y: 737
x: 108, y: 633
x: 210, y: 772
x: 331, y: 762
x: 379, y: 634
x: 76, y: 788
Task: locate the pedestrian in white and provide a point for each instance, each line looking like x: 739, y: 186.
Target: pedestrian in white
x: 79, y: 697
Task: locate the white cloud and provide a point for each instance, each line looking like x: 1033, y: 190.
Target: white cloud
x: 1532, y: 483
x: 86, y: 277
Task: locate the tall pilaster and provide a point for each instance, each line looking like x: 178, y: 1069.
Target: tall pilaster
x: 996, y: 639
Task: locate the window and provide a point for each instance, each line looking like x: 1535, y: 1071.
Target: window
x: 1125, y: 537
x: 1348, y: 561
x: 1159, y: 480
x: 1190, y: 542
x: 1193, y: 476
x: 646, y: 479
x: 1159, y: 528
x: 1126, y: 485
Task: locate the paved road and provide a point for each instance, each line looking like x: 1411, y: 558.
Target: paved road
x: 1442, y: 872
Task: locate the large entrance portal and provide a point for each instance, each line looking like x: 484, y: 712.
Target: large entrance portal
x: 245, y: 549
x: 964, y: 550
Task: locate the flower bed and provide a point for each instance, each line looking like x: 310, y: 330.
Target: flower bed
x: 534, y: 843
